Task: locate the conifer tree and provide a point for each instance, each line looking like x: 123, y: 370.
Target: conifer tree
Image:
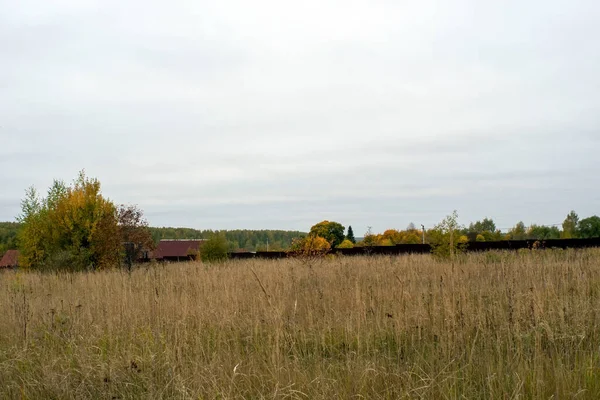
x: 350, y: 235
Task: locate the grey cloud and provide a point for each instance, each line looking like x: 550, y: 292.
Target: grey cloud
x: 268, y: 114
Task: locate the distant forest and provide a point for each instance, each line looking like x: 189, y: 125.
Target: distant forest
x: 247, y: 240
x: 8, y: 236
x: 239, y: 239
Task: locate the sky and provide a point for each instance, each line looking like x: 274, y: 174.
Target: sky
x: 277, y: 114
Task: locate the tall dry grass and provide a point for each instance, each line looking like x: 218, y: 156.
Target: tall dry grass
x: 495, y: 325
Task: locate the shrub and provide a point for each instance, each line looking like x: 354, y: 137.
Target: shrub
x: 311, y: 245
x: 346, y: 244
x: 214, y: 249
x: 445, y: 238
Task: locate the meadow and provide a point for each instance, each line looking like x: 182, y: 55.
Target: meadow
x: 518, y: 325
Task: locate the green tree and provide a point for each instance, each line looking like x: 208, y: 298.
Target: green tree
x: 486, y: 224
x: 518, y: 232
x: 8, y: 236
x: 74, y: 227
x: 350, y: 235
x: 570, y: 226
x: 542, y: 232
x: 30, y: 237
x: 485, y: 227
x: 589, y: 227
x: 491, y: 236
x: 332, y: 231
x: 445, y: 237
x: 214, y: 249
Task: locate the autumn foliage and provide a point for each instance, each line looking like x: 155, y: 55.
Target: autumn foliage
x: 392, y: 237
x: 310, y: 245
x: 331, y: 231
x: 346, y: 244
x: 74, y: 227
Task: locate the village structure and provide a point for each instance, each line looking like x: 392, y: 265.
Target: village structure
x: 10, y: 259
x: 166, y: 250
x: 176, y: 250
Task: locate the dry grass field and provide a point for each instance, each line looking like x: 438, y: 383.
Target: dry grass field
x: 489, y: 326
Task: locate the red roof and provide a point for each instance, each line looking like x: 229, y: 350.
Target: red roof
x: 10, y: 259
x: 177, y: 248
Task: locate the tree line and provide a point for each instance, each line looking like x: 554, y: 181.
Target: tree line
x: 238, y: 239
x: 330, y: 234
x: 572, y: 228
x: 74, y: 226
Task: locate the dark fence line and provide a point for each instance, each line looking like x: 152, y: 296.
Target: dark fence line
x: 426, y: 248
x: 531, y: 244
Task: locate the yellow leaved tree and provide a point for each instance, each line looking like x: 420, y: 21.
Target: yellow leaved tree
x: 74, y: 227
x: 310, y: 245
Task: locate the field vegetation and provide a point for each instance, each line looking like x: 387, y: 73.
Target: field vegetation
x: 489, y: 325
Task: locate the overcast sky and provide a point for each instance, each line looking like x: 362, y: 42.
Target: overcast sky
x: 278, y: 114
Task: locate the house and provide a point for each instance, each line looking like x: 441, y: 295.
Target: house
x: 177, y: 250
x: 10, y: 259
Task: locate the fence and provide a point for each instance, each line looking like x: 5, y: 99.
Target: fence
x: 426, y: 248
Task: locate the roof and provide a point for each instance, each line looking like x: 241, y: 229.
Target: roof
x: 10, y: 259
x: 177, y: 248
